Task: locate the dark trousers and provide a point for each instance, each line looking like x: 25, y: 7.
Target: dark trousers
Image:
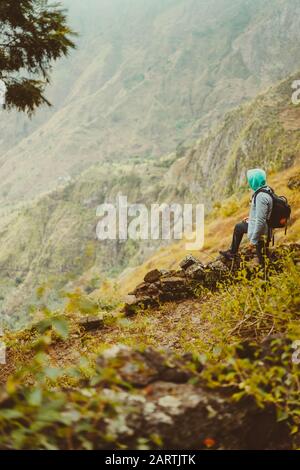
x: 239, y: 231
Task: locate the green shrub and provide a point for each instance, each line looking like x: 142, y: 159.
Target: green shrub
x: 253, y: 326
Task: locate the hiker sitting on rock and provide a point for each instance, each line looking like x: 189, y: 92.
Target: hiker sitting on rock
x: 256, y: 225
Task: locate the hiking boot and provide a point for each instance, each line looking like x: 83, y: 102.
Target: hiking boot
x: 228, y: 255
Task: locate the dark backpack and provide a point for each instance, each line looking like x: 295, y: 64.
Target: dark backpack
x: 281, y: 211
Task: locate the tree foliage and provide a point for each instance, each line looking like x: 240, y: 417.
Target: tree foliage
x: 33, y: 35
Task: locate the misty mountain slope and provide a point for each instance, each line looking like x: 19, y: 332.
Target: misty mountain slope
x: 265, y: 133
x: 52, y: 241
x: 146, y: 77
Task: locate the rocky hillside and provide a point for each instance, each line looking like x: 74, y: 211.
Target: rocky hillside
x: 217, y: 371
x: 146, y: 77
x: 201, y: 343
x: 263, y: 133
x: 193, y: 275
x: 218, y: 235
x: 52, y: 242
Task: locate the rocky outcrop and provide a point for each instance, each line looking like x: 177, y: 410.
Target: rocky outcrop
x: 158, y: 398
x: 166, y: 286
x: 142, y: 368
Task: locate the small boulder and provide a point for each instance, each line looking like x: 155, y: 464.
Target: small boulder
x: 173, y: 283
x: 188, y: 261
x: 140, y: 368
x: 92, y: 323
x: 153, y: 276
x: 145, y: 289
x: 174, y: 288
x: 196, y: 271
x: 130, y: 299
x: 164, y: 272
x: 218, y: 266
x: 136, y: 303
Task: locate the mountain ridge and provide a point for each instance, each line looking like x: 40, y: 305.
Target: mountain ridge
x: 170, y: 72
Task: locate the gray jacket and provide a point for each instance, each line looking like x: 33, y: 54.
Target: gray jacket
x: 260, y: 213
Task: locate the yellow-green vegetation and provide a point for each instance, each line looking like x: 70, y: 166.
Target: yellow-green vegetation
x: 254, y: 321
x: 242, y: 335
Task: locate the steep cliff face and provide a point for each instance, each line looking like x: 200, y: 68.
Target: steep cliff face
x: 146, y: 77
x: 53, y: 241
x: 263, y: 133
